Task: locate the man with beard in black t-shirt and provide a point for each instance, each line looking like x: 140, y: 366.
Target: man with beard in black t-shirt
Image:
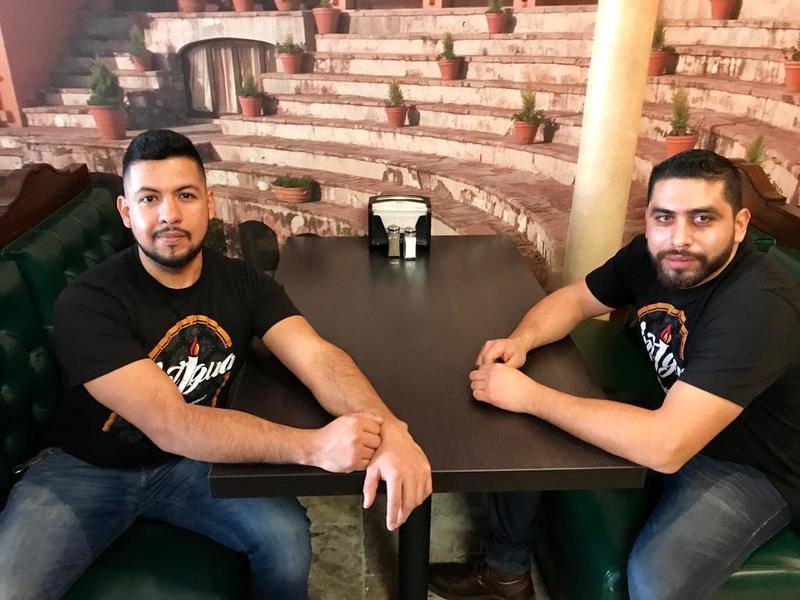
x: 149, y: 342
x: 721, y: 325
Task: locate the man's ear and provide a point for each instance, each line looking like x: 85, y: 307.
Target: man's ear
x: 122, y: 208
x: 740, y: 223
x: 212, y: 204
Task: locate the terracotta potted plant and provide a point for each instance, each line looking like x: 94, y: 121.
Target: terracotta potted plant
x: 724, y: 9
x: 496, y: 16
x: 292, y: 189
x: 286, y: 5
x: 449, y: 63
x: 291, y: 55
x: 106, y: 102
x: 250, y: 97
x: 141, y: 57
x: 243, y: 5
x: 528, y: 120
x: 191, y: 6
x: 658, y: 56
x: 396, y: 109
x: 326, y: 17
x: 681, y: 135
x: 792, y: 66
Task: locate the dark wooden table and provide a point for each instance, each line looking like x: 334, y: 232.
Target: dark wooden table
x: 415, y: 329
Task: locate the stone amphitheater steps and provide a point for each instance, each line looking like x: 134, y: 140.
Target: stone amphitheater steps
x: 765, y: 65
x: 10, y: 159
x: 465, y: 44
x: 771, y: 104
x: 499, y: 94
x: 446, y: 116
x: 78, y: 64
x: 734, y: 33
x: 101, y: 44
x: 115, y: 24
x: 516, y: 67
x: 58, y: 116
x: 128, y: 79
x: 471, y: 20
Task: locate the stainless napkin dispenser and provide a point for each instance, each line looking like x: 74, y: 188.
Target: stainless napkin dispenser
x: 402, y: 210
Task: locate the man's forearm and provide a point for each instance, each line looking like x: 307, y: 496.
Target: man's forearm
x: 549, y: 320
x: 341, y: 388
x: 222, y: 435
x: 622, y: 429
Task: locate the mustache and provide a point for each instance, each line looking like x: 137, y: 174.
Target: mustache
x: 167, y: 230
x: 685, y: 253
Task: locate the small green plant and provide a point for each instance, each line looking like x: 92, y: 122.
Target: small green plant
x: 754, y: 152
x: 248, y: 88
x: 289, y: 47
x: 679, y: 123
x: 105, y: 85
x: 137, y: 47
x: 395, y: 95
x: 793, y: 53
x: 324, y: 3
x: 288, y: 181
x: 448, y: 52
x: 215, y: 237
x: 658, y: 36
x: 529, y: 114
x: 495, y: 6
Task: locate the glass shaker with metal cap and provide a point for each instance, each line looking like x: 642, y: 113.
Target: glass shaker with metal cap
x: 410, y: 243
x: 393, y: 232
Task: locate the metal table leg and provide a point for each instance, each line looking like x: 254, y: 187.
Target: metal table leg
x: 415, y: 538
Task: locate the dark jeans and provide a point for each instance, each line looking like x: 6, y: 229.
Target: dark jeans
x: 64, y: 512
x: 710, y: 517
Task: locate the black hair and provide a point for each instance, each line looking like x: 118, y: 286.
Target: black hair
x: 700, y: 164
x: 160, y: 144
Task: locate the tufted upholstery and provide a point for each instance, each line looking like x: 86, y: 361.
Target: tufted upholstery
x: 34, y: 269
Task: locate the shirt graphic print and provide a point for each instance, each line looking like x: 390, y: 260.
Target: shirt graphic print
x: 664, y: 333
x: 196, y: 354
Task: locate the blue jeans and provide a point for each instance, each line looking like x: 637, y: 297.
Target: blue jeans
x: 710, y: 517
x: 64, y: 512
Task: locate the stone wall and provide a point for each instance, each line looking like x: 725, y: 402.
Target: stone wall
x: 750, y: 9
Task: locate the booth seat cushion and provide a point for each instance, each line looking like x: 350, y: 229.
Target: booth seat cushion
x: 157, y: 561
x: 583, y: 538
x: 29, y: 381
x: 789, y: 258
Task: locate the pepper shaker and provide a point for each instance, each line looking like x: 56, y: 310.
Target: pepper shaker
x: 393, y: 231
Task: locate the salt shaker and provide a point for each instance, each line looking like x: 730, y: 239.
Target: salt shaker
x: 393, y: 231
x: 410, y: 246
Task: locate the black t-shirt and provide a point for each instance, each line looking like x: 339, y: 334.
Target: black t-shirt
x: 116, y: 314
x: 737, y: 337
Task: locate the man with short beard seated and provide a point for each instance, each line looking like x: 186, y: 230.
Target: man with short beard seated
x: 721, y: 325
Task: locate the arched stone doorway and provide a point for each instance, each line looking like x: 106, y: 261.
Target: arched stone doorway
x: 213, y: 69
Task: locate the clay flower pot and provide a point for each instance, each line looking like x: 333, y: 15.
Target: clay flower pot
x: 396, y: 115
x: 251, y: 105
x: 658, y: 62
x: 451, y: 69
x: 524, y: 132
x: 290, y: 195
x: 792, y: 81
x: 111, y: 121
x: 286, y: 5
x: 143, y: 62
x: 190, y: 6
x: 496, y: 22
x: 724, y: 9
x: 327, y: 19
x: 679, y: 143
x: 243, y: 5
x: 291, y: 63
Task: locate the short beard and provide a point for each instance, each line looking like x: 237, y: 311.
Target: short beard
x: 173, y: 262
x: 687, y: 279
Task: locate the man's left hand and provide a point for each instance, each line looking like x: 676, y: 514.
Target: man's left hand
x: 504, y: 387
x: 402, y: 464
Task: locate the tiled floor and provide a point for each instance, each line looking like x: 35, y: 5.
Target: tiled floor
x: 355, y: 557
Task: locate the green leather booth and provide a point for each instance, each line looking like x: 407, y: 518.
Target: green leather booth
x: 583, y: 537
x: 151, y: 560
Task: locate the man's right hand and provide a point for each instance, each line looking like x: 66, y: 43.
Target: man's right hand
x: 511, y: 351
x: 347, y: 443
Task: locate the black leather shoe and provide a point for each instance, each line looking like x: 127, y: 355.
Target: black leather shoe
x: 476, y: 580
